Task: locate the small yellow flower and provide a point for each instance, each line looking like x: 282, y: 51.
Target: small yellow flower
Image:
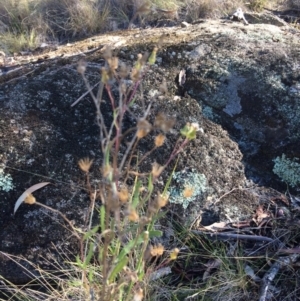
x: 188, y: 191
x: 174, y: 254
x: 30, y: 199
x: 85, y: 164
x: 159, y: 140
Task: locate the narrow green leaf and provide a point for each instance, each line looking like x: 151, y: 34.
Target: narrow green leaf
x: 129, y: 246
x: 150, y: 184
x: 170, y: 178
x: 136, y: 194
x: 89, y: 255
x: 141, y: 273
x: 117, y: 269
x: 90, y: 233
x: 102, y: 218
x: 155, y: 233
x: 132, y: 101
x: 79, y: 262
x: 91, y: 275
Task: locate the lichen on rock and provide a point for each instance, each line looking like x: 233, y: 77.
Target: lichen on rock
x: 187, y: 180
x: 288, y: 170
x: 6, y: 183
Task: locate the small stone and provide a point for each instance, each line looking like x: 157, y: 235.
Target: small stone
x: 184, y: 24
x: 158, y: 60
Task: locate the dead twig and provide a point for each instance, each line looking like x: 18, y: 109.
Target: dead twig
x: 226, y: 236
x: 271, y: 274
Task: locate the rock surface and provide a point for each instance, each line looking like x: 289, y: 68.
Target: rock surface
x: 242, y: 87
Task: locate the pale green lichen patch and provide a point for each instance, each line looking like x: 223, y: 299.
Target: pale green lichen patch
x: 187, y: 187
x: 6, y: 183
x: 287, y: 170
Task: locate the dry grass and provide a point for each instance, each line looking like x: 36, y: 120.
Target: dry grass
x: 73, y: 18
x: 31, y: 22
x: 210, y: 8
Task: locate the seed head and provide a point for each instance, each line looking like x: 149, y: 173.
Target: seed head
x: 143, y: 128
x: 113, y: 63
x: 133, y: 215
x: 157, y: 170
x: 123, y: 195
x: 132, y: 275
x: 81, y: 67
x: 162, y: 200
x: 124, y: 70
x: 107, y: 54
x: 30, y: 199
x: 159, y: 140
x: 157, y: 250
x: 139, y: 295
x: 135, y: 74
x: 163, y: 122
x: 107, y: 171
x: 85, y: 164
